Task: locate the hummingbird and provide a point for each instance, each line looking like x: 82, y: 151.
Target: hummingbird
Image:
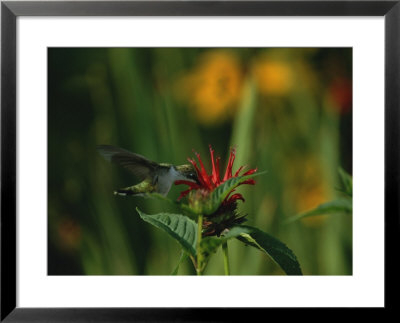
x: 155, y: 177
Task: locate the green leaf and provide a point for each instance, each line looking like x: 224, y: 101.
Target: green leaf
x: 178, y: 226
x: 222, y: 191
x: 183, y: 257
x: 343, y: 205
x: 276, y: 249
x: 347, y: 181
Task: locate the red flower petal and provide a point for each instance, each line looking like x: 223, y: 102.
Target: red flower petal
x: 200, y: 175
x: 215, y: 172
x: 238, y: 171
x: 235, y: 197
x: 228, y: 172
x: 204, y: 174
x: 207, y: 183
x: 250, y: 171
x: 193, y: 185
x: 248, y: 181
x: 184, y: 193
x: 219, y: 179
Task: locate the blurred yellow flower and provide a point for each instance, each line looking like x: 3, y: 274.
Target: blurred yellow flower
x: 213, y: 87
x: 308, y: 187
x: 273, y: 76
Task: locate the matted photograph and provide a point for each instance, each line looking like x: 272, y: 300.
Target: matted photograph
x: 200, y: 161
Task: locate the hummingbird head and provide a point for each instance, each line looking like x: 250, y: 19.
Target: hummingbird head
x: 188, y: 172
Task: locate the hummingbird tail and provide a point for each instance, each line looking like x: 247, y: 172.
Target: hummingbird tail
x: 125, y: 192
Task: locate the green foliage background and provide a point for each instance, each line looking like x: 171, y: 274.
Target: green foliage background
x: 288, y: 112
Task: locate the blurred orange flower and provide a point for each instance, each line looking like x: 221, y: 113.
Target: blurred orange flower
x: 309, y: 199
x: 213, y: 87
x: 69, y: 233
x: 273, y: 76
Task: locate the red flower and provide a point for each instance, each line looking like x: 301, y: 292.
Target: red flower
x: 342, y: 94
x: 208, y: 183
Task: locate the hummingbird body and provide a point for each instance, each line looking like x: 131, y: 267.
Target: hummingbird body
x: 155, y: 177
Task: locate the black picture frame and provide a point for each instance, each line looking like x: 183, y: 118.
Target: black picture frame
x: 11, y: 10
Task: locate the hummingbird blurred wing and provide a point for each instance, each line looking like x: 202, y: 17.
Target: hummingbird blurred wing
x: 140, y: 166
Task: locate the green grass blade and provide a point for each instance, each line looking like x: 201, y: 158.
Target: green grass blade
x: 182, y: 258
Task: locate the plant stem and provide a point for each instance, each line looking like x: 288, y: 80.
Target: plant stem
x: 199, y: 255
x: 226, y: 258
